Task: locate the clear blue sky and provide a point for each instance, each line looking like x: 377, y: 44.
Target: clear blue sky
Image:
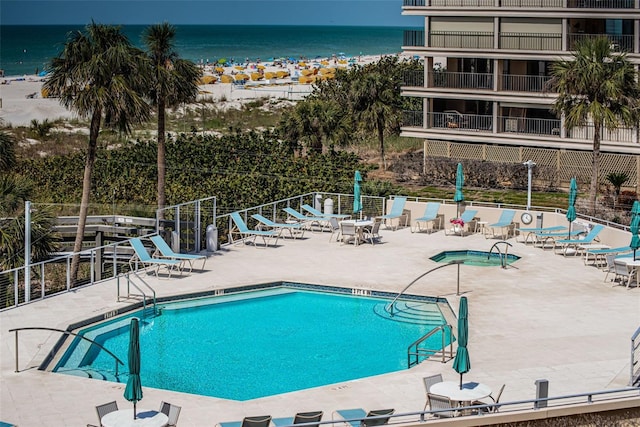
x: 213, y: 12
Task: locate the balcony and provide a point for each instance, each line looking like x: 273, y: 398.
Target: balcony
x: 542, y: 127
x: 456, y: 121
x: 413, y: 118
x: 532, y: 3
x: 531, y: 41
x: 453, y: 80
x: 524, y: 83
x: 462, y: 3
x: 600, y: 4
x: 413, y: 38
x: 413, y: 78
x: 621, y: 134
x: 619, y: 42
x: 461, y: 39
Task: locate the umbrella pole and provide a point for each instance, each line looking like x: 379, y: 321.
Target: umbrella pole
x: 460, y: 381
x: 134, y: 410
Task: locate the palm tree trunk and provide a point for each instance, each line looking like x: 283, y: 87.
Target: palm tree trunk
x: 162, y: 161
x: 380, y: 127
x: 595, y: 168
x: 86, y: 192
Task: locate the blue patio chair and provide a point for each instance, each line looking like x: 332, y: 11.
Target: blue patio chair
x: 163, y: 250
x: 141, y: 255
x: 255, y: 421
x: 321, y: 222
x: 396, y: 212
x: 278, y: 226
x: 466, y: 217
x: 504, y: 222
x: 315, y: 212
x: 430, y: 216
x: 358, y: 417
x: 300, y: 418
x: 571, y: 245
x: 245, y: 233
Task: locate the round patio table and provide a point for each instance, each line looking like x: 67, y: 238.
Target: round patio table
x: 144, y: 418
x: 470, y: 391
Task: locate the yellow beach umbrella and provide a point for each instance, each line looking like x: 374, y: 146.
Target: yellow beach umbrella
x: 256, y: 76
x: 219, y: 70
x: 306, y: 72
x: 270, y: 75
x: 242, y: 76
x: 282, y: 74
x: 239, y: 67
x: 261, y: 67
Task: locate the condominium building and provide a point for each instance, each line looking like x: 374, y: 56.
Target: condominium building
x: 486, y: 65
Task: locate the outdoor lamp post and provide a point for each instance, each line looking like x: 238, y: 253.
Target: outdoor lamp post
x: 529, y: 164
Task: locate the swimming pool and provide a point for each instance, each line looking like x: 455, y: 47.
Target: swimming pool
x: 277, y: 340
x: 475, y: 258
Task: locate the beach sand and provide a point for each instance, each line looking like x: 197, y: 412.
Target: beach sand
x: 21, y: 99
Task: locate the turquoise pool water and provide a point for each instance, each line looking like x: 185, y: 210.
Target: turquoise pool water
x: 475, y: 258
x: 260, y: 343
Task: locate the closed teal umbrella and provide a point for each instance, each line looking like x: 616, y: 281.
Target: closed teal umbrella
x: 458, y: 196
x: 357, y: 202
x: 133, y: 391
x: 462, y: 363
x: 635, y: 228
x: 571, y: 210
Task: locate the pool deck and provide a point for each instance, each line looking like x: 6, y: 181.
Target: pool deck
x: 546, y: 317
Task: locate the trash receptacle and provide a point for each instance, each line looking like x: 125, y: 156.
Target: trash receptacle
x: 328, y: 206
x: 212, y: 238
x: 542, y: 392
x: 318, y: 202
x: 539, y: 220
x: 175, y: 241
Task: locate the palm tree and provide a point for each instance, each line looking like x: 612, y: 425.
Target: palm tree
x: 617, y: 179
x: 597, y: 86
x: 374, y: 103
x: 174, y: 81
x: 101, y: 76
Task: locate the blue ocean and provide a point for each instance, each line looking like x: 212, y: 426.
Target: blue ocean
x: 28, y: 49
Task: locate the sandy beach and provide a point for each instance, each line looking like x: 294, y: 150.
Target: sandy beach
x: 21, y: 99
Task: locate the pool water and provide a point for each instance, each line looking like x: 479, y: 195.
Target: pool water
x: 475, y: 258
x: 259, y: 343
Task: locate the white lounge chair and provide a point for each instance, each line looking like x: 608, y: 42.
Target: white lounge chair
x: 244, y: 232
x: 396, y: 212
x: 292, y: 228
x: 504, y: 223
x: 309, y: 221
x: 141, y: 255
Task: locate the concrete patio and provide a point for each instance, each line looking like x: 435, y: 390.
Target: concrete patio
x: 546, y: 317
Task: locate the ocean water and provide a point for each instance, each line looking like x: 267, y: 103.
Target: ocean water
x: 27, y: 49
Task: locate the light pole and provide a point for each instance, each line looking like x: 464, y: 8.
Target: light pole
x: 529, y: 164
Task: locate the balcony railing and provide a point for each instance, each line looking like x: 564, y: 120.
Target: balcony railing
x: 463, y: 80
x: 474, y: 122
x: 600, y: 4
x: 413, y: 38
x: 622, y: 134
x: 461, y: 39
x: 413, y: 118
x: 530, y: 126
x: 619, y: 42
x: 413, y: 3
x: 522, y: 83
x: 531, y: 41
x: 462, y: 3
x: 532, y: 3
x: 413, y: 78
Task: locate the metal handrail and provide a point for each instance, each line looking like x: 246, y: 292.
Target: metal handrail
x: 417, y: 352
x: 144, y: 296
x: 389, y: 308
x: 503, y: 257
x: 64, y: 332
x: 635, y: 362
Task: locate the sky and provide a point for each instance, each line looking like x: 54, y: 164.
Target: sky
x: 211, y: 12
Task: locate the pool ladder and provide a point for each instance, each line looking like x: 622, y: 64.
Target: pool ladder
x: 414, y: 352
x: 152, y: 311
x: 503, y: 257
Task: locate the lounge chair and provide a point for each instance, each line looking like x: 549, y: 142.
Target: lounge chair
x: 163, y: 250
x: 141, y: 255
x: 566, y: 245
x: 300, y: 418
x: 541, y: 239
x: 244, y: 232
x: 428, y: 382
x: 255, y: 421
x: 531, y: 231
x: 279, y: 226
x: 466, y: 217
x: 316, y: 213
x: 430, y: 216
x: 504, y: 223
x: 396, y: 212
x: 599, y: 253
x: 308, y: 221
x: 172, y: 412
x: 103, y: 410
x: 358, y: 417
x: 442, y: 405
x: 372, y: 232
